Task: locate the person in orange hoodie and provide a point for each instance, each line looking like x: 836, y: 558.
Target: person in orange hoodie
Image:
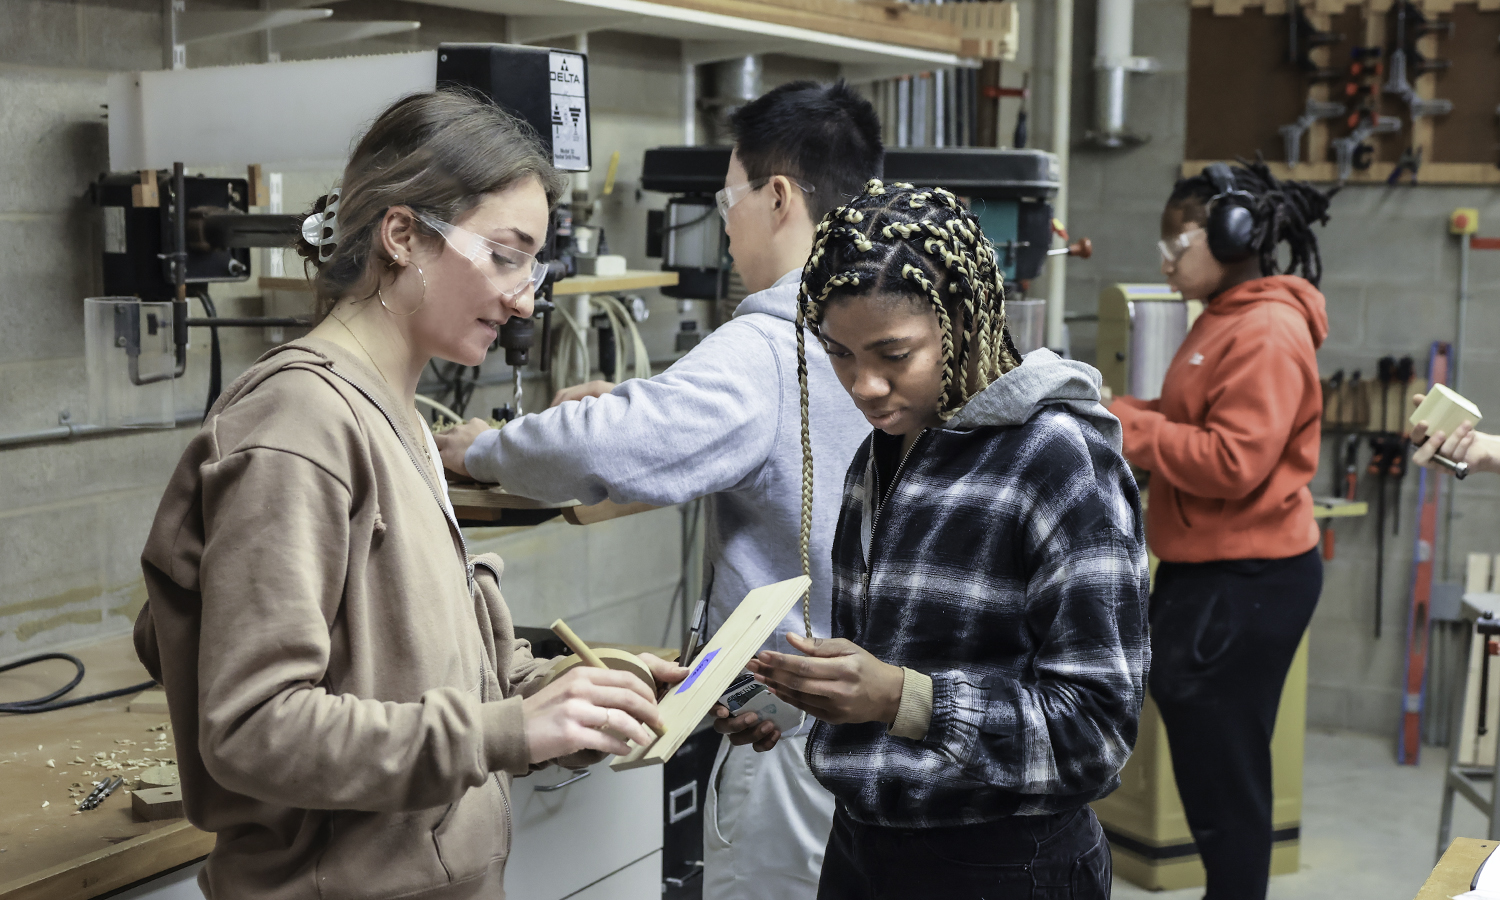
x: 1231, y: 446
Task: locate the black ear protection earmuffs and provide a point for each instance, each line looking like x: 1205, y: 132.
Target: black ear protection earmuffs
x: 1231, y: 224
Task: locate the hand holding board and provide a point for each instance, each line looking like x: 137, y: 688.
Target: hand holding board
x: 721, y: 660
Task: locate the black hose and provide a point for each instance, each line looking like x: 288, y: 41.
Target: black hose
x: 215, y: 359
x: 46, y: 704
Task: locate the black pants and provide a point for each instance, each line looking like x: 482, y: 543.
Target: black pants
x: 1057, y: 857
x: 1223, y: 635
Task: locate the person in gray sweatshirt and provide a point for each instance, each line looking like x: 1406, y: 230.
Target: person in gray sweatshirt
x: 723, y: 423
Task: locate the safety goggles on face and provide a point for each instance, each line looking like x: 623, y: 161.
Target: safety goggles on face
x: 507, y: 269
x: 729, y: 196
x: 1173, y: 248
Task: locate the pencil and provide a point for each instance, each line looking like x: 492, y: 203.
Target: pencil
x: 587, y: 654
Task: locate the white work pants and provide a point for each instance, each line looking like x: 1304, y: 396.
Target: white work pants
x: 765, y: 825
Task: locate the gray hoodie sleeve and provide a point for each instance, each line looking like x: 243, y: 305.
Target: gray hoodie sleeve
x: 706, y: 424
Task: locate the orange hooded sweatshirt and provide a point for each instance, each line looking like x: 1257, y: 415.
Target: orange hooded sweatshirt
x: 1233, y: 442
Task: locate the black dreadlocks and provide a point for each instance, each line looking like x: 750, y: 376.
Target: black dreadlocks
x: 1283, y: 211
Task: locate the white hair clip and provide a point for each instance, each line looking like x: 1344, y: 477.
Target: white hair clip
x: 321, y: 229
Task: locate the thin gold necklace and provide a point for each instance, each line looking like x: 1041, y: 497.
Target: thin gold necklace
x: 371, y: 357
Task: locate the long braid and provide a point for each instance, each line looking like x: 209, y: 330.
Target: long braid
x: 924, y: 243
x: 807, y: 465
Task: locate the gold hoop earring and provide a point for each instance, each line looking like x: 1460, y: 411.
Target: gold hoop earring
x: 419, y: 302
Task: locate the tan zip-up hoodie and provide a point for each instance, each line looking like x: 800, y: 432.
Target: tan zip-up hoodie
x: 345, y: 685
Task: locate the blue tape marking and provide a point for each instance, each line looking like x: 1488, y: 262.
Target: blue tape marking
x: 697, y: 670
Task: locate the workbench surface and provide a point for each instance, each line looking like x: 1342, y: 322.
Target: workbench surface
x: 53, y: 851
x: 1455, y: 871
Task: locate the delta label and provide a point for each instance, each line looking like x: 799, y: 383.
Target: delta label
x: 570, y: 113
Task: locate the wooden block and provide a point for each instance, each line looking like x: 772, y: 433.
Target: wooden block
x: 145, y: 193
x: 259, y: 190
x: 1445, y: 409
x: 619, y: 660
x: 153, y: 701
x: 157, y: 777
x: 155, y: 804
x: 717, y: 664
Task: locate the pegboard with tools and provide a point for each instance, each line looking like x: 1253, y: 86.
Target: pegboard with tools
x: 1356, y: 91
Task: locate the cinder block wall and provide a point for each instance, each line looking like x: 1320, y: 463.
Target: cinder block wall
x: 73, y: 517
x: 1391, y: 279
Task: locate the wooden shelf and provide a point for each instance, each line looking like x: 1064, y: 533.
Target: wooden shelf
x: 609, y: 284
x: 474, y: 496
x: 474, y: 502
x: 866, y: 39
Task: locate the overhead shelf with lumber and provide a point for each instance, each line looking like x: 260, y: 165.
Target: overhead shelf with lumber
x: 864, y: 38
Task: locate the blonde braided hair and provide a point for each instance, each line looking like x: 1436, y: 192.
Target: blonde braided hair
x: 898, y: 239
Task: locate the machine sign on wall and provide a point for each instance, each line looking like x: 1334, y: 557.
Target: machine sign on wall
x: 570, y: 117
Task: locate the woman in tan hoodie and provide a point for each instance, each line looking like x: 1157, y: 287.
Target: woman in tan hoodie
x: 1231, y: 447
x: 349, y: 697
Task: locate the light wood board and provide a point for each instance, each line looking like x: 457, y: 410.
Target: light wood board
x: 720, y: 661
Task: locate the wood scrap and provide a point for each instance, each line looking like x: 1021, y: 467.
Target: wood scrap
x: 154, y: 804
x: 158, y: 777
x: 152, y: 701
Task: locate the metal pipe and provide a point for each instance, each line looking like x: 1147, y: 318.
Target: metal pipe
x: 250, y: 322
x: 70, y: 432
x: 1457, y: 366
x: 1062, y: 105
x: 1113, y: 40
x: 689, y: 99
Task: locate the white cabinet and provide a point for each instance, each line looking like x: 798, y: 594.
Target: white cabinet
x: 641, y: 880
x: 587, y: 834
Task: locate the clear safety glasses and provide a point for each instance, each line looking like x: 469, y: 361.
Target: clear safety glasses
x: 728, y: 197
x: 509, y: 270
x: 1172, y: 250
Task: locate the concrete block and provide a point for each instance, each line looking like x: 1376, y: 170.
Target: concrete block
x: 56, y: 144
x: 112, y: 34
x: 1374, y: 709
x: 1379, y: 250
x: 34, y: 392
x: 52, y: 581
x: 1405, y: 319
x: 539, y: 583
x: 639, y: 621
x: 1161, y: 31
x: 632, y: 557
x: 47, y: 474
x: 1327, y: 706
x: 43, y: 279
x: 637, y: 75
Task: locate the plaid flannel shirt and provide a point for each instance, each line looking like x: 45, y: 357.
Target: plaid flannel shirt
x: 1008, y: 563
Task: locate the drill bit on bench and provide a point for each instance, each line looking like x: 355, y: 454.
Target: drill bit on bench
x: 105, y: 788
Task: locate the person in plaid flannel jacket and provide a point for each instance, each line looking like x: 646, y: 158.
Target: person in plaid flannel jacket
x: 990, y: 648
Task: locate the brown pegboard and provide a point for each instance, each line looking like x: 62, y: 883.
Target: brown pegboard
x: 1241, y: 88
x: 1471, y: 133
